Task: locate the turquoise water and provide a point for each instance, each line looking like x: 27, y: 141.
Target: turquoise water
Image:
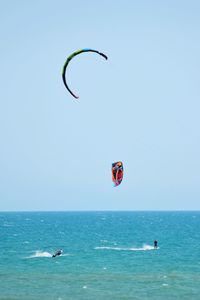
x: 107, y: 255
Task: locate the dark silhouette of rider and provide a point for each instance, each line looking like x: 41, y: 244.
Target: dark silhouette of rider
x: 57, y: 253
x: 155, y: 244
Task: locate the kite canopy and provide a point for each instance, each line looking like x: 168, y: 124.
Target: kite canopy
x: 117, y: 173
x: 67, y: 62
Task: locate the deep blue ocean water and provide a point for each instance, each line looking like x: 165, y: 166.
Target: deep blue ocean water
x: 106, y: 255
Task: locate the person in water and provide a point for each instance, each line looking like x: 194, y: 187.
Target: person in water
x: 57, y: 253
x: 155, y: 244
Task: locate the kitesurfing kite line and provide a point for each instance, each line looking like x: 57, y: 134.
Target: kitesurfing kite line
x: 117, y: 173
x: 67, y: 62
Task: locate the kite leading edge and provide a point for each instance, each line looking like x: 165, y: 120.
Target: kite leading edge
x: 67, y: 62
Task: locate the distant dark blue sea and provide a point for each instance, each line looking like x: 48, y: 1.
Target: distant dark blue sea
x: 106, y: 255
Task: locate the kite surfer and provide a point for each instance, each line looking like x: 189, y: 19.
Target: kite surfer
x: 57, y: 253
x: 155, y: 244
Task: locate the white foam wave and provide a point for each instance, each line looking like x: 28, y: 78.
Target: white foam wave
x: 40, y: 254
x: 144, y: 248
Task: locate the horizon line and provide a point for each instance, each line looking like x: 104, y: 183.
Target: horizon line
x: 62, y: 211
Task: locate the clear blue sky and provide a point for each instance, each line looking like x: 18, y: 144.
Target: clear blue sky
x: 142, y: 106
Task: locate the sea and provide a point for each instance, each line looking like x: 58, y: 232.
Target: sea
x: 106, y: 255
